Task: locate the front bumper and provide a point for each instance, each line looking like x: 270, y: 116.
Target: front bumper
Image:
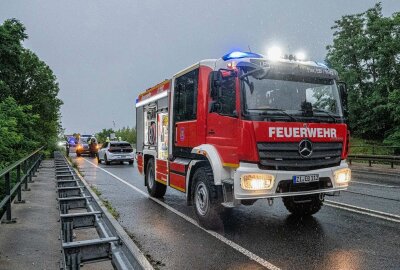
x: 283, y: 176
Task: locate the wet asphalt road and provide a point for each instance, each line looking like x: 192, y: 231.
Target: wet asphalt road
x: 258, y: 236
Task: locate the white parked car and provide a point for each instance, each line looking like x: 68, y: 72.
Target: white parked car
x: 119, y: 151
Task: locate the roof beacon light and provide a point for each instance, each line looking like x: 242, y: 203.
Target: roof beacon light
x: 237, y: 54
x: 301, y: 56
x: 274, y: 53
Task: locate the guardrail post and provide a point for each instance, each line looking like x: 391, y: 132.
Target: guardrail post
x: 392, y: 164
x: 369, y: 163
x: 19, y: 196
x: 35, y: 166
x: 25, y: 171
x: 30, y: 176
x: 8, y: 195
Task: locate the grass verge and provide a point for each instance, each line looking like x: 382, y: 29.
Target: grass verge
x: 106, y: 203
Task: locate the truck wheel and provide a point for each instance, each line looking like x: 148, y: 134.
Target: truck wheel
x: 98, y: 160
x: 207, y: 198
x: 106, y: 160
x: 303, y: 205
x: 130, y: 162
x: 154, y: 188
x: 78, y: 154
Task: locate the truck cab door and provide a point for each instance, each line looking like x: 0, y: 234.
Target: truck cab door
x: 185, y: 113
x: 223, y: 116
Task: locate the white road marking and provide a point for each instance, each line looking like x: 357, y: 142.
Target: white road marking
x: 373, y: 184
x: 364, y: 211
x: 223, y: 239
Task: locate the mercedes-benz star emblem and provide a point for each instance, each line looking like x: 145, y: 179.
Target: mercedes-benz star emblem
x: 305, y: 148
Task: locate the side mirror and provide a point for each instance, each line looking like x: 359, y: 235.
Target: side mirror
x: 217, y: 79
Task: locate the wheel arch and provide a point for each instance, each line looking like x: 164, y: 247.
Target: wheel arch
x: 213, y: 160
x: 210, y: 152
x: 193, y: 166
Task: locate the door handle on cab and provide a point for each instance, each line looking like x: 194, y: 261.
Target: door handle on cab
x: 211, y: 132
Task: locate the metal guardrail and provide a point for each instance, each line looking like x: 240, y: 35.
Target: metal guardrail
x: 374, y: 149
x: 113, y: 244
x: 375, y: 158
x: 21, y: 172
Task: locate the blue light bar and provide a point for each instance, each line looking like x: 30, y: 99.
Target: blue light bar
x: 236, y: 55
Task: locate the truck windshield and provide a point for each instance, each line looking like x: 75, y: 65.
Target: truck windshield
x: 294, y: 97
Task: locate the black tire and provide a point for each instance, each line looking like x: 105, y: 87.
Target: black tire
x: 207, y: 198
x: 154, y: 188
x: 303, y: 205
x: 121, y: 162
x: 78, y: 154
x: 106, y: 160
x: 131, y: 162
x: 98, y: 159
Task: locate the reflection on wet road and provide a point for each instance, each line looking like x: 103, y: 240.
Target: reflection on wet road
x: 258, y: 236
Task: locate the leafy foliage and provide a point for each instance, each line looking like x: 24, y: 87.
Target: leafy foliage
x: 17, y: 130
x: 126, y: 133
x: 30, y: 109
x: 366, y: 53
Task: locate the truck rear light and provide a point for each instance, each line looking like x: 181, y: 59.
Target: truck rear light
x: 256, y: 181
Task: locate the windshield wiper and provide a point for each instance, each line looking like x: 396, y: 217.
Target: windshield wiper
x: 327, y: 113
x: 275, y: 110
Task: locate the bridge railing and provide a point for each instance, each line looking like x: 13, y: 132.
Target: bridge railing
x: 14, y: 179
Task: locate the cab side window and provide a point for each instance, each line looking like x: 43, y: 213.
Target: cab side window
x: 105, y: 145
x: 228, y: 97
x: 185, y: 100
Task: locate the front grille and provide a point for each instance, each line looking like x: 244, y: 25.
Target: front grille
x: 288, y: 185
x: 285, y: 156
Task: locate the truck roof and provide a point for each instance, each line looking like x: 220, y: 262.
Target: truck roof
x: 306, y: 67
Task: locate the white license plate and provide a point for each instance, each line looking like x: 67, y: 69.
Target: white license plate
x: 305, y: 178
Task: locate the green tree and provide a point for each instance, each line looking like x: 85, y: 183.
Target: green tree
x: 126, y: 134
x: 32, y: 85
x: 17, y: 131
x: 102, y: 135
x: 12, y: 33
x: 366, y: 53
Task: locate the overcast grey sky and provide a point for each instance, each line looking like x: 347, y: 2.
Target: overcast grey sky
x: 106, y: 52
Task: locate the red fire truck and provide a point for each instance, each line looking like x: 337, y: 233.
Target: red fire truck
x: 231, y: 131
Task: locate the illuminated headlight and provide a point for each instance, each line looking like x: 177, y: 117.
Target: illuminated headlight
x: 342, y: 176
x: 256, y: 181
